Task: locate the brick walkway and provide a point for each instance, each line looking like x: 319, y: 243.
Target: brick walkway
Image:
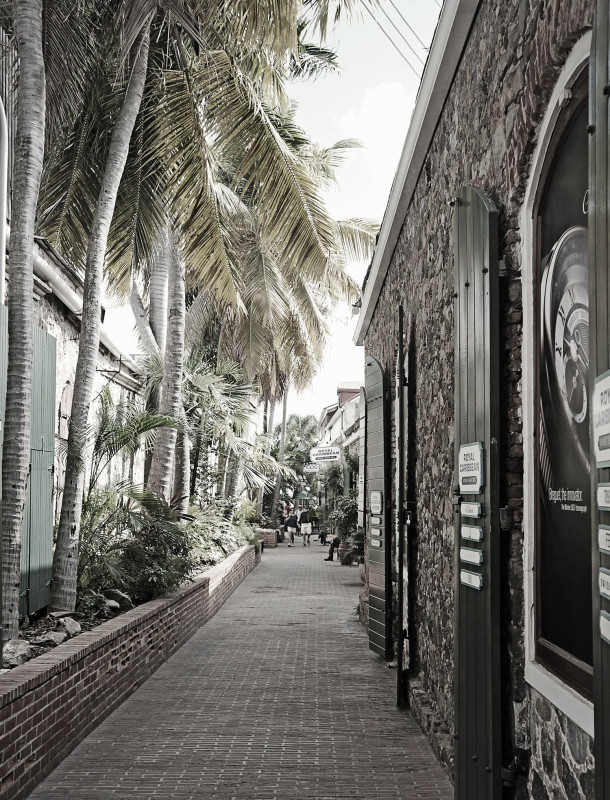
x: 277, y: 698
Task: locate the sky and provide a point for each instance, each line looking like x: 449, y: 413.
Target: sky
x: 371, y: 100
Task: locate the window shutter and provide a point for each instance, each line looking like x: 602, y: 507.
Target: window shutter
x: 599, y: 350
x: 477, y: 535
x: 378, y: 533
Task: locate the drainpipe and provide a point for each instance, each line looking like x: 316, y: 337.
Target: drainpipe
x: 3, y: 192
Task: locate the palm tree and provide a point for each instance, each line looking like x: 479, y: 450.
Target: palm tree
x: 63, y: 591
x: 29, y: 146
x: 193, y: 96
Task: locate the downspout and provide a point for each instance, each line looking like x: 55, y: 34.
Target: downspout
x: 402, y: 688
x: 3, y: 193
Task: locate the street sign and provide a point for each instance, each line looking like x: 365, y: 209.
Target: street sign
x: 311, y: 467
x: 318, y: 454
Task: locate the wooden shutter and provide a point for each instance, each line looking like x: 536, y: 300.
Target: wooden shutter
x: 599, y: 351
x: 477, y: 532
x: 378, y: 533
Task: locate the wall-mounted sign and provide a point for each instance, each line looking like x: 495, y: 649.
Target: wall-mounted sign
x: 472, y: 579
x: 311, y: 467
x: 604, y: 626
x: 470, y: 468
x: 604, y: 583
x: 603, y: 537
x: 376, y: 502
x: 470, y: 510
x: 325, y: 454
x: 603, y: 496
x: 471, y: 556
x: 472, y: 533
x: 601, y: 420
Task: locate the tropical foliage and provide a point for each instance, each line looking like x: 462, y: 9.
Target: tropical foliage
x: 174, y: 167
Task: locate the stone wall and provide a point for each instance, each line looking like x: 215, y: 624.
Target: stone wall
x: 48, y: 705
x: 485, y: 137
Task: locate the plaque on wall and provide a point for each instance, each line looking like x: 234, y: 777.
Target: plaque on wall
x: 376, y: 502
x: 604, y: 583
x: 604, y: 626
x: 471, y: 556
x: 472, y: 533
x: 470, y: 510
x: 601, y: 420
x: 472, y: 579
x: 470, y: 468
x: 603, y: 537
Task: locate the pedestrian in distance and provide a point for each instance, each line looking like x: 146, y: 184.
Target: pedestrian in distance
x: 305, y: 526
x: 333, y: 546
x: 291, y: 526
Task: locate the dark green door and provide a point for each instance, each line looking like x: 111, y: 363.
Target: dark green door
x: 380, y: 596
x: 37, y: 540
x: 599, y: 371
x: 477, y: 527
x: 37, y: 535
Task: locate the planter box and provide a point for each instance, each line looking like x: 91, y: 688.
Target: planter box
x: 269, y: 535
x: 49, y: 704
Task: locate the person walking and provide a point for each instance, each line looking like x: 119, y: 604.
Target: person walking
x: 305, y: 525
x: 291, y: 527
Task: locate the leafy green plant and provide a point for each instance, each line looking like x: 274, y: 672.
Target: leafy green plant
x: 132, y: 540
x: 355, y: 547
x: 344, y: 518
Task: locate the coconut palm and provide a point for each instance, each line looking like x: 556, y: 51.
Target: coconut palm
x: 29, y: 147
x: 78, y: 207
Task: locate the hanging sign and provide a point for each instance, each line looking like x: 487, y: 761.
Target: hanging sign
x: 601, y: 420
x: 325, y: 454
x: 470, y: 468
x: 311, y: 467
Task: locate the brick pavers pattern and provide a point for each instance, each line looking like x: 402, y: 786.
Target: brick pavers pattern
x: 276, y: 698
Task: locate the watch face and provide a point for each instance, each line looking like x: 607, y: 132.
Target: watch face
x: 565, y: 335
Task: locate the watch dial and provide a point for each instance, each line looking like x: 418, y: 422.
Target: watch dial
x: 565, y: 323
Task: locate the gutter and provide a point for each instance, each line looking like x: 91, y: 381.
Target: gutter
x: 450, y: 37
x: 49, y: 273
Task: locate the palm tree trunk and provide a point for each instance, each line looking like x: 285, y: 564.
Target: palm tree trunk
x: 65, y: 560
x: 158, y: 290
x: 182, y: 471
x: 160, y: 479
x: 29, y: 149
x: 147, y: 338
x: 282, y: 453
x: 270, y: 416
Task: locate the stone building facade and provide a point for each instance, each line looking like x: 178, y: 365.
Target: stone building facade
x: 491, y: 114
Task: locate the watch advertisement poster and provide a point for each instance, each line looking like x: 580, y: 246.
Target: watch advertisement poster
x: 564, y: 450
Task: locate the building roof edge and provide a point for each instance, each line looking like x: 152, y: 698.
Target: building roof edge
x: 447, y: 47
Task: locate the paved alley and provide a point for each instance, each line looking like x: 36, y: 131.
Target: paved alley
x: 277, y: 698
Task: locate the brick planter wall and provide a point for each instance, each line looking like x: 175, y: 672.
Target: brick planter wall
x: 49, y: 704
